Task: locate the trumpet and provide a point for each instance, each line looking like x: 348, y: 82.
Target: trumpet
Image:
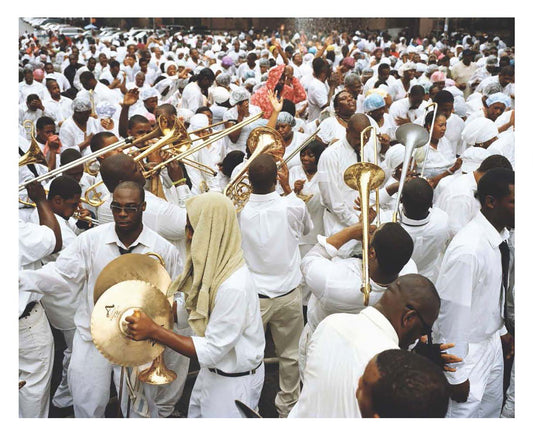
x: 188, y: 149
x: 261, y: 140
x: 412, y: 136
x: 365, y: 177
x: 130, y: 141
x: 434, y: 104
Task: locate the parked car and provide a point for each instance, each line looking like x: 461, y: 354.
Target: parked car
x: 71, y: 31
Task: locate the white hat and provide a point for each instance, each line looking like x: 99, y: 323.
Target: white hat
x: 472, y: 158
x: 220, y: 95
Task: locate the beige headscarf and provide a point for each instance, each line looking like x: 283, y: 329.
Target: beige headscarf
x: 212, y: 256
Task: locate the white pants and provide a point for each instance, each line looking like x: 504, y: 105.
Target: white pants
x: 485, y: 364
x: 90, y: 374
x: 213, y: 396
x: 508, y: 408
x: 36, y: 360
x: 63, y: 398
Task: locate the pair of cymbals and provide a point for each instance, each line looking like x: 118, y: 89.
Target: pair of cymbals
x: 131, y: 282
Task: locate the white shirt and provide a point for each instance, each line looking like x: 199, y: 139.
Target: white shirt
x: 61, y: 79
x: 438, y: 160
x: 458, y: 201
x: 402, y: 108
x: 209, y: 155
x: 102, y: 93
x: 314, y: 204
x: 504, y: 145
x: 271, y: 228
x: 71, y: 135
x: 60, y: 110
x: 317, y: 97
x: 470, y: 288
x: 454, y: 129
x: 336, y: 282
x: 192, y: 97
x: 35, y: 242
x: 234, y: 339
x: 26, y: 89
x: 331, y: 129
x: 82, y: 261
x: 337, y: 356
x: 337, y: 197
x: 430, y: 236
x: 297, y: 139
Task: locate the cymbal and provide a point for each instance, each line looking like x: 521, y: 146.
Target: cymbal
x: 109, y: 328
x: 131, y: 266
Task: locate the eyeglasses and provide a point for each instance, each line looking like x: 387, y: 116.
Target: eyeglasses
x: 427, y: 328
x: 117, y: 208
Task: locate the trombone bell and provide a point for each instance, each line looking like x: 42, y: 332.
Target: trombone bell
x: 157, y: 373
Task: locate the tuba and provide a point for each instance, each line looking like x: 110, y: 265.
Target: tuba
x: 262, y: 140
x: 412, y: 136
x: 365, y: 177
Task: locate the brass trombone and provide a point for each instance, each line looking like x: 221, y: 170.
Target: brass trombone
x: 365, y: 177
x: 33, y: 155
x: 412, y: 136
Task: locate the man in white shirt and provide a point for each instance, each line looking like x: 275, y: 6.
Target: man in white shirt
x: 410, y: 108
x: 100, y: 92
x: 462, y: 71
x: 36, y: 344
x: 336, y: 282
x: 428, y: 227
x: 62, y: 81
x: 266, y: 221
x: 458, y: 198
x: 343, y: 344
x: 337, y: 197
x: 319, y: 93
x: 77, y: 130
x: 79, y: 265
x: 58, y: 106
x: 28, y: 86
x: 471, y: 285
x: 193, y: 96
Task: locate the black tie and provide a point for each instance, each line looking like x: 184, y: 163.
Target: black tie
x: 123, y: 252
x: 504, y: 250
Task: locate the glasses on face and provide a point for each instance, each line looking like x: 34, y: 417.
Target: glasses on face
x: 427, y: 328
x: 117, y: 208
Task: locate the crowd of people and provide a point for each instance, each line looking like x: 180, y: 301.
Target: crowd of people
x: 437, y: 336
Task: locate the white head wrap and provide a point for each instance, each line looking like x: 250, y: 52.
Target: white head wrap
x: 394, y: 156
x: 472, y: 158
x: 287, y: 118
x: 105, y: 110
x: 499, y: 97
x: 238, y: 95
x: 185, y: 114
x: 220, y: 95
x: 197, y: 122
x: 81, y: 104
x: 373, y: 102
x: 149, y: 92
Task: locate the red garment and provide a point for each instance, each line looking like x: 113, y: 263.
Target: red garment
x: 294, y: 91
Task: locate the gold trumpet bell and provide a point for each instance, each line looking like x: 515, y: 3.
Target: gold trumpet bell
x: 158, y: 373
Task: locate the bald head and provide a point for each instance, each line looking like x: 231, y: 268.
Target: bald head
x: 262, y: 174
x: 120, y: 167
x: 357, y: 123
x: 411, y: 304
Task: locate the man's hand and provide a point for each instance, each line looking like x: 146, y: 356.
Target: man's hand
x: 107, y: 124
x: 334, y: 80
x: 140, y: 326
x: 448, y: 358
x: 356, y: 231
x: 277, y: 105
x: 175, y: 172
x: 283, y: 177
x: 53, y: 142
x: 460, y: 392
x: 131, y: 97
x: 36, y: 192
x: 402, y: 120
x: 507, y: 346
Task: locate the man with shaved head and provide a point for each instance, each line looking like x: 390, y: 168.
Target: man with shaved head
x: 271, y: 227
x: 337, y: 197
x: 343, y: 344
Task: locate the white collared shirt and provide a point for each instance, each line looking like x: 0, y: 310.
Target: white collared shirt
x: 337, y: 197
x: 438, y: 160
x: 336, y: 282
x: 402, y: 108
x: 430, y: 237
x: 79, y: 265
x: 271, y: 228
x: 470, y: 288
x: 60, y: 110
x: 459, y: 202
x: 337, y: 356
x: 234, y: 339
x: 71, y: 135
x: 192, y: 97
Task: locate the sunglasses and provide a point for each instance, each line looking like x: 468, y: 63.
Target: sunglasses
x: 117, y: 208
x: 427, y: 328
